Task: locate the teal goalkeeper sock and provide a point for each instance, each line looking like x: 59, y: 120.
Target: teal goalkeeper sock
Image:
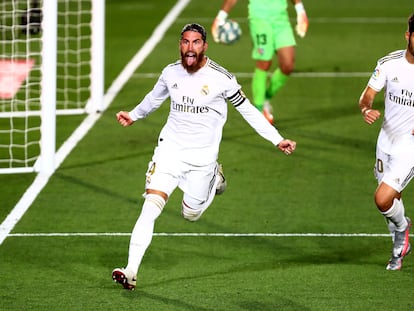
x: 259, y: 82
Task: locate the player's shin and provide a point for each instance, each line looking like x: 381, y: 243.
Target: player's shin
x: 143, y: 230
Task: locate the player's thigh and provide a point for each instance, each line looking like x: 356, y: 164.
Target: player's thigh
x: 286, y: 59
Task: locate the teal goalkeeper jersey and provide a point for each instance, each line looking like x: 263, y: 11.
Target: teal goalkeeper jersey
x: 267, y: 8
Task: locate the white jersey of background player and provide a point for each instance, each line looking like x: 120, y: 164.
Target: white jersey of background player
x: 394, y: 167
x: 188, y: 145
x: 396, y: 75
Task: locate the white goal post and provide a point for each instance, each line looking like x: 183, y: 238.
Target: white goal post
x: 51, y: 63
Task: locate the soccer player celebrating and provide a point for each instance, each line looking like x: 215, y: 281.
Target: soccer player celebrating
x: 188, y: 145
x: 394, y: 166
x: 271, y: 33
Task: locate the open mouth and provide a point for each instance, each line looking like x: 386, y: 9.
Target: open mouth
x: 190, y: 58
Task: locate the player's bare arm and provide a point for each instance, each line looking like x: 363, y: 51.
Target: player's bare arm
x: 365, y: 104
x: 124, y: 118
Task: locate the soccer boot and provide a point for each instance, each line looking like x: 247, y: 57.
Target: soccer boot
x: 402, y: 247
x: 125, y: 278
x: 268, y: 112
x: 222, y: 185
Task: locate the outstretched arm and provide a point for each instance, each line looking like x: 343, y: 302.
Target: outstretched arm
x: 365, y: 104
x: 150, y: 103
x: 228, y: 5
x: 258, y: 122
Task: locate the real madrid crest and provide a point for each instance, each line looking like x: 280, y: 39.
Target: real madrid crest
x: 204, y: 90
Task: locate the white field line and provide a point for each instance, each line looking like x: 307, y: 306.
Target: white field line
x: 151, y: 75
x: 41, y: 180
x: 202, y: 234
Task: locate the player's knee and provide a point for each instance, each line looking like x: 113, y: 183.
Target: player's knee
x: 287, y: 68
x: 263, y: 65
x: 385, y: 195
x: 192, y: 209
x: 383, y: 202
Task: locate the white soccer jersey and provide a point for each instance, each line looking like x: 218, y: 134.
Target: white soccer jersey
x: 396, y: 75
x: 198, y: 111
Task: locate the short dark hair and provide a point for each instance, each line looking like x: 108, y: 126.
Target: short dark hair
x: 411, y: 24
x: 197, y: 28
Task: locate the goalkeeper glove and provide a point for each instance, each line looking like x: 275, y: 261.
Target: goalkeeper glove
x: 219, y: 21
x: 301, y: 20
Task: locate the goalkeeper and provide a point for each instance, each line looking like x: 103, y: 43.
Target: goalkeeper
x: 271, y: 33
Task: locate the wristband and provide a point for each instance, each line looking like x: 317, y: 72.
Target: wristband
x: 299, y: 8
x: 365, y: 111
x: 222, y: 15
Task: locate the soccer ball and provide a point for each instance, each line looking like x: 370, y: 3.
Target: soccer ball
x: 229, y: 32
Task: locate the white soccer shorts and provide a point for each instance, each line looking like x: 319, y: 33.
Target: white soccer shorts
x: 166, y: 172
x: 395, y: 170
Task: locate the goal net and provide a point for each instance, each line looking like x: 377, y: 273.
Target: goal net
x: 51, y: 63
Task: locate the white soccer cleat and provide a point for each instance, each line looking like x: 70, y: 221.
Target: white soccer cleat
x: 268, y: 112
x: 125, y: 278
x: 401, y: 248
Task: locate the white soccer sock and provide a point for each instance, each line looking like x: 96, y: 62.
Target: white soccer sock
x: 396, y: 215
x: 143, y: 230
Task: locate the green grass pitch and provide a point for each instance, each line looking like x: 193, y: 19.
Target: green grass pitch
x: 303, y: 231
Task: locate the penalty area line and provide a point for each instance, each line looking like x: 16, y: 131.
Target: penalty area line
x: 202, y: 234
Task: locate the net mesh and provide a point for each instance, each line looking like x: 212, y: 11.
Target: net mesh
x: 20, y: 73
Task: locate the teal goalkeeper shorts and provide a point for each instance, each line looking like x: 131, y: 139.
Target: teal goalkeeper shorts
x: 270, y: 35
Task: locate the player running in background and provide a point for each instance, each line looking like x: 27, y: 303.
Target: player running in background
x: 394, y: 166
x: 271, y: 32
x: 188, y: 145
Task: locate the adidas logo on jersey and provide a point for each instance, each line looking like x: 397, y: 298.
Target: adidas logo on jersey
x: 175, y: 86
x: 395, y: 79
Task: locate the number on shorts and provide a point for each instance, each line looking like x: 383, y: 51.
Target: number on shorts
x: 261, y: 39
x: 380, y: 166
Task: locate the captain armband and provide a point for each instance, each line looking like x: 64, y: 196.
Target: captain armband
x: 237, y: 99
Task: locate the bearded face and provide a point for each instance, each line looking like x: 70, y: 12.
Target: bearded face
x: 192, y: 61
x: 192, y: 48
